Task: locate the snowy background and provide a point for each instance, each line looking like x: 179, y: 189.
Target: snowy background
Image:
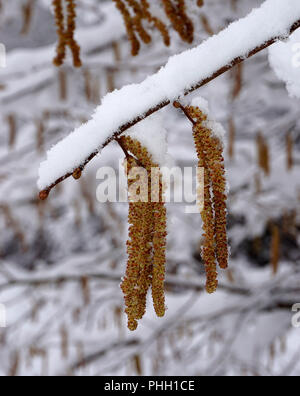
x: 61, y: 261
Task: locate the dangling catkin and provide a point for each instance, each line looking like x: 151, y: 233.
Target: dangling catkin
x: 135, y: 45
x: 159, y: 257
x: 138, y: 21
x: 188, y: 35
x: 210, y: 154
x: 176, y: 12
x: 208, y: 250
x: 135, y: 12
x: 27, y: 10
x: 12, y: 125
x: 160, y: 26
x: 66, y: 35
x: 146, y: 246
x: 59, y: 20
x: 263, y: 154
x: 213, y: 152
x: 70, y: 34
x: 275, y: 248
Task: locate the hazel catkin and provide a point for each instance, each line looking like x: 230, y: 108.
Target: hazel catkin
x: 130, y: 28
x: 210, y: 154
x: 136, y: 12
x: 146, y: 246
x: 176, y: 12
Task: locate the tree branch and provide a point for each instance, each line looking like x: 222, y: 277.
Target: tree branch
x: 44, y: 194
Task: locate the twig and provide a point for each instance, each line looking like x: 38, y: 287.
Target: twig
x: 178, y: 105
x: 44, y: 194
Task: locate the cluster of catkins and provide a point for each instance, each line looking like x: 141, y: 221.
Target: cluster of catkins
x: 210, y: 154
x: 66, y: 31
x: 146, y: 246
x: 214, y: 212
x: 136, y: 12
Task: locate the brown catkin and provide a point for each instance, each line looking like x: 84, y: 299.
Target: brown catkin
x: 135, y: 45
x: 136, y: 12
x: 215, y: 162
x: 263, y: 154
x: 208, y: 250
x: 237, y: 74
x: 138, y: 21
x: 275, y: 249
x: 137, y: 364
x: 117, y: 51
x: 234, y: 4
x: 210, y: 155
x: 66, y: 35
x: 85, y: 287
x: 70, y: 34
x: 14, y: 364
x: 160, y: 26
x: 146, y: 245
x: 59, y: 20
x: 159, y: 257
x: 135, y: 253
x: 62, y: 84
x: 220, y: 207
x: 188, y: 24
x: 12, y: 124
x: 27, y: 10
x: 176, y: 12
x: 64, y: 343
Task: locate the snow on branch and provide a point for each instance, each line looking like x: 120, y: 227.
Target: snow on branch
x: 184, y: 73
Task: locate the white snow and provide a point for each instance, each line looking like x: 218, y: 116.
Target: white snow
x: 284, y: 58
x: 273, y: 19
x: 216, y: 128
x: 202, y: 104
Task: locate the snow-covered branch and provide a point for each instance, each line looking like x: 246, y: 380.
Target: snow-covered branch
x: 184, y: 73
